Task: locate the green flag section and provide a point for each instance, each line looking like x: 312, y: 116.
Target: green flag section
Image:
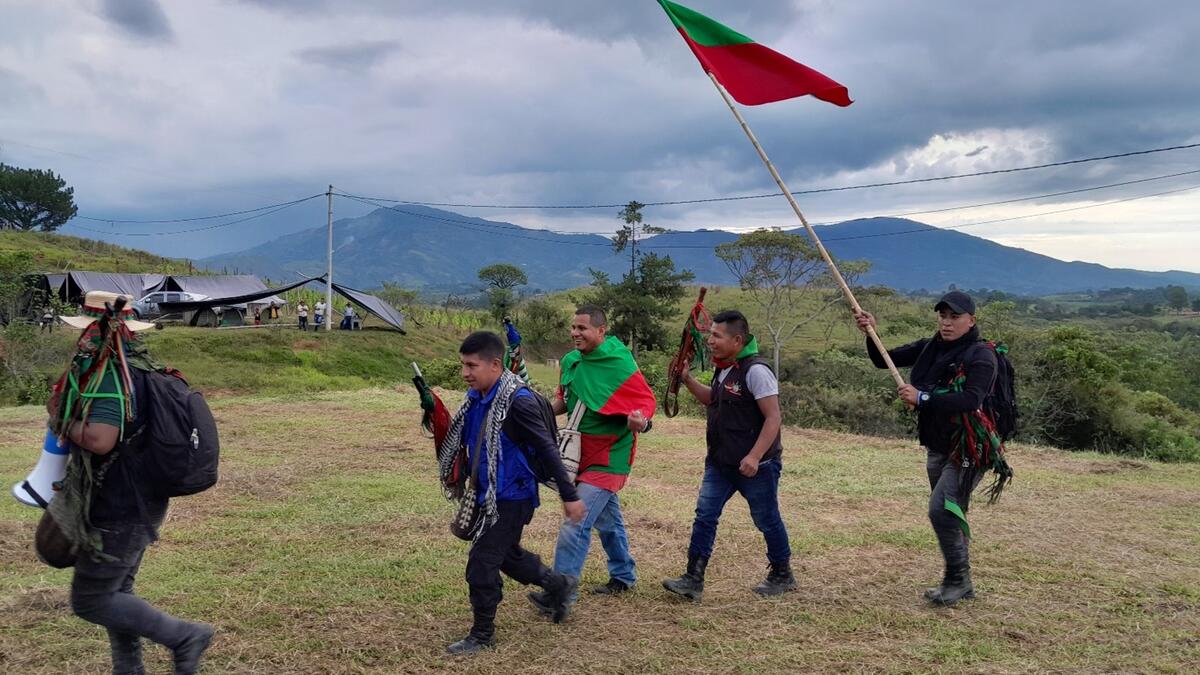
x: 607, y: 380
x: 751, y: 73
x: 953, y: 507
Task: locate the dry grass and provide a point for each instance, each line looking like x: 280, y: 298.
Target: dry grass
x: 325, y: 550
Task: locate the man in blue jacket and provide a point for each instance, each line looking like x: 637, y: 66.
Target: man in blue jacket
x: 501, y: 413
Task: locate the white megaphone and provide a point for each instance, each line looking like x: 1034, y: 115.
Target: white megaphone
x: 38, y: 488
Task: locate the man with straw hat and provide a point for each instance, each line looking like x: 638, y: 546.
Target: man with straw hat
x: 106, y: 507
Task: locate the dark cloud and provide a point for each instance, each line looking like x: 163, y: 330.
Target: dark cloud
x: 141, y: 18
x: 355, y: 57
x: 602, y: 21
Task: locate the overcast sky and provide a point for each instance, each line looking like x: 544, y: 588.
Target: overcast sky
x: 174, y: 109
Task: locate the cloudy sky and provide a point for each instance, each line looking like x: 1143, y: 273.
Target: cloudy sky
x: 160, y: 110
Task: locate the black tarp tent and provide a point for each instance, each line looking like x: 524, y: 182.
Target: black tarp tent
x: 377, y: 306
x: 223, y: 286
x: 78, y: 284
x: 234, y: 299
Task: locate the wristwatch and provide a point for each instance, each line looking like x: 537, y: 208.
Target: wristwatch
x: 649, y: 426
x: 922, y: 397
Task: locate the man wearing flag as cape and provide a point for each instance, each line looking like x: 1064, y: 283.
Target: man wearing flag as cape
x: 602, y: 379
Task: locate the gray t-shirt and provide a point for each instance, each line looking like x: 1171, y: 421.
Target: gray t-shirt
x: 761, y: 381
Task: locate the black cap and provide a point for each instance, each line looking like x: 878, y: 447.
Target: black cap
x: 958, y: 302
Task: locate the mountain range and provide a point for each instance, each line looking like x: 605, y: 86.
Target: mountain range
x: 433, y: 249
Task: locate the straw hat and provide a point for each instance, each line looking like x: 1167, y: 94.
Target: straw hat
x: 93, y: 308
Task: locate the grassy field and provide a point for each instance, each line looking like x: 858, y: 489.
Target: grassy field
x: 324, y: 549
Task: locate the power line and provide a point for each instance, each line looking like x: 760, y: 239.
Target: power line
x: 1011, y: 218
x: 196, y: 218
x: 842, y: 188
x: 474, y: 225
x: 286, y: 206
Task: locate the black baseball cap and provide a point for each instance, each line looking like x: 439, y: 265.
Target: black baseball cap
x: 957, y: 302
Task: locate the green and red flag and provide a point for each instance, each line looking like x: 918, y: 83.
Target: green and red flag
x: 607, y: 380
x: 608, y: 383
x: 751, y: 73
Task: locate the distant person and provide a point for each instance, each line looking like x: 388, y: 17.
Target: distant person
x: 348, y: 317
x: 503, y: 429
x: 273, y: 311
x: 108, y: 507
x: 302, y: 315
x: 318, y: 315
x: 952, y: 373
x: 47, y: 322
x: 257, y: 316
x: 744, y: 455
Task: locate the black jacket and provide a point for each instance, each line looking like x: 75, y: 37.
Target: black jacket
x: 934, y: 364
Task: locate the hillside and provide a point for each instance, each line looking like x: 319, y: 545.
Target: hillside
x: 62, y: 253
x: 424, y: 247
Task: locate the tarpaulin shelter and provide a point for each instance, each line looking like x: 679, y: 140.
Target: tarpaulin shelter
x: 246, y: 297
x: 376, y: 306
x: 223, y: 286
x: 78, y: 284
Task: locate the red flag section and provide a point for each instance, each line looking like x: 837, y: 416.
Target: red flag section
x: 751, y: 73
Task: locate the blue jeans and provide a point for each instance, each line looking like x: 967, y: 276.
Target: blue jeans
x: 761, y: 493
x: 604, y: 514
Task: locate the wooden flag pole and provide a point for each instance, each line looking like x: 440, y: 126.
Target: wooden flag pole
x: 850, y: 299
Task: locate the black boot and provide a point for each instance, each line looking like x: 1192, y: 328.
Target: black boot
x: 559, y: 589
x: 187, y: 655
x: 482, y: 635
x: 957, y: 586
x: 541, y: 602
x: 779, y: 580
x: 613, y: 587
x: 691, y: 584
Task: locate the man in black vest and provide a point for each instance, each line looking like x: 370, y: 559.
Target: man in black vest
x: 744, y: 455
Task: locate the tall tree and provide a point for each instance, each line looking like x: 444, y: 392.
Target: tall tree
x: 1177, y: 298
x: 787, y: 278
x: 642, y: 301
x: 501, y: 279
x: 633, y: 231
x: 34, y: 198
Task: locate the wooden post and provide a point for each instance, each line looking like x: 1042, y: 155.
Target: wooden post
x: 849, y: 295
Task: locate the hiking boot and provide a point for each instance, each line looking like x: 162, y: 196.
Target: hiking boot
x: 559, y: 594
x: 541, y: 602
x: 957, y: 586
x: 691, y: 584
x: 188, y: 653
x: 779, y: 580
x: 471, y: 644
x: 613, y: 587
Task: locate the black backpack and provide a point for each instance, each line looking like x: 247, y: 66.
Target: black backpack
x: 177, y: 437
x: 1001, y: 403
x: 541, y: 472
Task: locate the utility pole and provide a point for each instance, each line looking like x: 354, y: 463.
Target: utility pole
x: 329, y: 269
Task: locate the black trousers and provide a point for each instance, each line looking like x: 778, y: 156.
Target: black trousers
x: 945, y: 481
x: 499, y: 550
x: 102, y: 593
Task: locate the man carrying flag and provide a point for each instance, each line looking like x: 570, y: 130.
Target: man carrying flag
x: 602, y: 378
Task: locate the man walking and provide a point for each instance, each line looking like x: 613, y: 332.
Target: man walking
x: 506, y: 434
x: 109, y: 505
x: 601, y: 380
x: 302, y: 315
x: 744, y: 455
x: 952, y: 373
